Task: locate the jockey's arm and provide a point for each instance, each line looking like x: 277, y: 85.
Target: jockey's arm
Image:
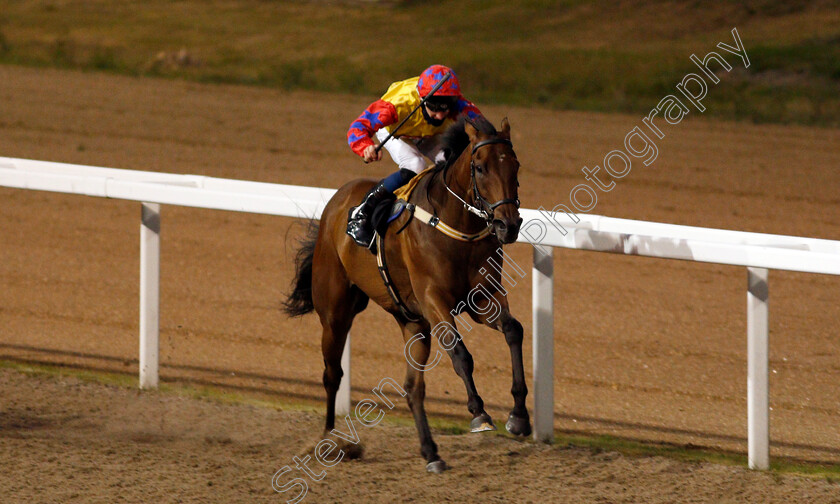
x: 378, y: 115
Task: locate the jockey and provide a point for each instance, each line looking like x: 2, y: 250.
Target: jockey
x: 412, y: 144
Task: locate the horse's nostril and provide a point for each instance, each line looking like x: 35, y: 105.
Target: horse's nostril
x: 500, y: 224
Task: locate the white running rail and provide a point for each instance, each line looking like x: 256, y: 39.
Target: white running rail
x: 542, y: 229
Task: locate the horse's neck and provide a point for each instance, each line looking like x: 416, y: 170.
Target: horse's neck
x: 446, y: 206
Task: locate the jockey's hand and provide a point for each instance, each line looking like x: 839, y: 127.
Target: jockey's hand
x: 371, y: 154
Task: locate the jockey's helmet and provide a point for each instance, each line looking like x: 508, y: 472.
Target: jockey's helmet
x: 432, y: 76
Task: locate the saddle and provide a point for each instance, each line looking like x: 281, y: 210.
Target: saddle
x: 384, y: 213
x: 387, y: 210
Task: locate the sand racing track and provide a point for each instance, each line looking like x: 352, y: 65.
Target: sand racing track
x: 645, y: 349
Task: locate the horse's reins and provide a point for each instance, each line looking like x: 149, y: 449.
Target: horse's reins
x: 435, y: 222
x: 486, y: 214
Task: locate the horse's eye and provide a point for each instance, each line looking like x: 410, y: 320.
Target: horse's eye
x: 479, y: 168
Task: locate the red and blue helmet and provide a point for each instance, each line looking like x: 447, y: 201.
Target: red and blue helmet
x: 432, y: 76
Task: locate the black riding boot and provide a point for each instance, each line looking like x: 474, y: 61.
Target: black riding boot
x: 358, y: 226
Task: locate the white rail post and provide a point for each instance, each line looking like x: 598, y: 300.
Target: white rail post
x: 342, y: 398
x: 543, y: 343
x: 758, y: 397
x: 149, y: 295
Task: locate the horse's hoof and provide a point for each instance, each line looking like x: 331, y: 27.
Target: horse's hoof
x: 436, y: 467
x: 353, y: 451
x: 518, y: 426
x: 482, y: 423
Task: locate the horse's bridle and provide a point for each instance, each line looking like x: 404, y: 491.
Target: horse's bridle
x: 487, y: 212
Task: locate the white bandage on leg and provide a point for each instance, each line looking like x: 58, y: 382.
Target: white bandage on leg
x: 405, y: 154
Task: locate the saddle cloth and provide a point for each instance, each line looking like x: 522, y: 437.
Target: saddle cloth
x: 405, y: 191
x: 389, y: 209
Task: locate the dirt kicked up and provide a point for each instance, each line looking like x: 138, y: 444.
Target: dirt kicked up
x: 646, y: 350
x: 64, y: 440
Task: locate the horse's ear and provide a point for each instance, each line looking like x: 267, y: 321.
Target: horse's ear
x: 506, y: 127
x: 470, y: 130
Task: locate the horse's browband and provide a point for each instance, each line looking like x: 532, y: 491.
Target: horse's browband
x: 490, y: 141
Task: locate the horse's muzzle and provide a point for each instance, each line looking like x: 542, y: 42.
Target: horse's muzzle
x: 506, y: 231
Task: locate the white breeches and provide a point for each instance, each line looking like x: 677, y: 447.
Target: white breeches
x: 408, y: 154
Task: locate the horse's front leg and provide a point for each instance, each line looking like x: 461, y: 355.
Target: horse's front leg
x: 518, y: 422
x: 443, y: 328
x: 496, y: 314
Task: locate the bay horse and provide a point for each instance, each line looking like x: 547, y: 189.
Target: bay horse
x: 432, y: 272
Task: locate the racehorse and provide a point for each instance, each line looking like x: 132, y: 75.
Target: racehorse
x: 433, y: 272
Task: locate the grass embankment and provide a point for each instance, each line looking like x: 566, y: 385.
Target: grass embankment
x: 598, y: 56
x: 595, y: 443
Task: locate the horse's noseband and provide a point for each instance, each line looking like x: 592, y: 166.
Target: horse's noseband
x: 488, y: 208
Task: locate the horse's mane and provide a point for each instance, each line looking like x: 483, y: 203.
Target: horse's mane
x: 454, y: 140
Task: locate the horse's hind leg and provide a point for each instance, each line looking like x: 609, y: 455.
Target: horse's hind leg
x: 336, y: 326
x: 415, y: 386
x: 337, y: 305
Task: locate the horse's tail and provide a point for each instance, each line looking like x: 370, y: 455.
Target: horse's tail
x: 299, y: 302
